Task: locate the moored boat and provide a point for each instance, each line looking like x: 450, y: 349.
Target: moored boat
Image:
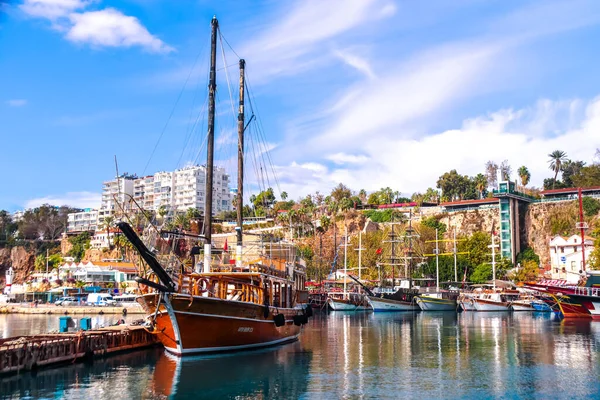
x: 214, y: 305
x: 438, y: 302
x: 522, y: 305
x: 383, y: 304
x: 490, y: 302
x: 349, y: 302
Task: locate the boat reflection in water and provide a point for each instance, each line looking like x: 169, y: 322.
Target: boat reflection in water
x: 264, y: 373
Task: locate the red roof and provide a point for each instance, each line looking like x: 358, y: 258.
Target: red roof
x: 570, y: 190
x: 489, y: 200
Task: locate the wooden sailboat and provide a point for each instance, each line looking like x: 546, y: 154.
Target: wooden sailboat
x: 401, y: 299
x: 218, y: 307
x: 492, y: 300
x: 439, y: 300
x: 347, y: 301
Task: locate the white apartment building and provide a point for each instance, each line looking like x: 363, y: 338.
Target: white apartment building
x: 189, y: 189
x: 176, y: 191
x: 116, y: 194
x: 143, y: 192
x: 86, y: 220
x: 566, y: 259
x: 163, y: 191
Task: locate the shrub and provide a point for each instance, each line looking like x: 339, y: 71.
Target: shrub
x: 591, y: 206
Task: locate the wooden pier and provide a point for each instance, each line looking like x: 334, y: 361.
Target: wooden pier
x: 26, y: 353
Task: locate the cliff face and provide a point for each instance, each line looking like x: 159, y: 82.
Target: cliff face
x: 22, y: 261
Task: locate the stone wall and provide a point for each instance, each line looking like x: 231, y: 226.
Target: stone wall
x: 22, y: 261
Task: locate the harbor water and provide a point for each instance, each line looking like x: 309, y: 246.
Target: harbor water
x: 350, y: 355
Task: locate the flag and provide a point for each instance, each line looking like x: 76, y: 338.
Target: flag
x: 379, y: 250
x: 225, y: 248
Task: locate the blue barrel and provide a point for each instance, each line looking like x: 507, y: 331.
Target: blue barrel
x: 85, y: 323
x: 64, y: 324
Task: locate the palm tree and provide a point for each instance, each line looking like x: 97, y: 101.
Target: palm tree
x: 284, y: 196
x: 481, y: 184
x: 557, y: 159
x: 524, y: 175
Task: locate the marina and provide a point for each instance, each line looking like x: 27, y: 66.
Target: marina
x: 409, y: 215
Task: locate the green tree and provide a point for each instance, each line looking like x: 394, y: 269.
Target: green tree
x: 557, y: 159
x: 455, y: 186
x: 477, y: 248
x: 587, y: 177
x: 340, y: 192
x: 591, y: 206
x: 434, y: 223
x: 80, y: 244
x: 481, y: 184
x: 264, y: 199
x: 528, y: 254
x: 569, y: 170
x: 524, y: 174
x: 284, y: 196
x: 528, y: 272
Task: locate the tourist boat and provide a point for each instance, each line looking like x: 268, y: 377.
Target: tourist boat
x: 440, y: 301
x: 221, y: 307
x: 575, y: 301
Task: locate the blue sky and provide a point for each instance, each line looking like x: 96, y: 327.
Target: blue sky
x: 371, y: 93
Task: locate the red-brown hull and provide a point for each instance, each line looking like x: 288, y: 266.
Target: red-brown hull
x: 202, y: 324
x: 573, y: 310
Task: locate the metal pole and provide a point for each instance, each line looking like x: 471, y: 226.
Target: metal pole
x: 46, y: 263
x: 582, y: 230
x: 240, y: 184
x: 437, y: 263
x: 494, y: 261
x: 212, y: 88
x: 455, y: 273
x: 359, y: 253
x: 345, y: 261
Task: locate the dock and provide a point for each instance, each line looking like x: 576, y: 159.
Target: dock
x: 69, y: 310
x: 27, y: 353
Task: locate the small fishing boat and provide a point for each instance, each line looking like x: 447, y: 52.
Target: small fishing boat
x: 349, y: 302
x: 522, y: 305
x: 441, y: 301
x: 401, y: 300
x: 540, y: 306
x: 465, y: 301
x: 491, y: 302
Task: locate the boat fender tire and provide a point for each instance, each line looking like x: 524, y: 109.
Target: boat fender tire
x: 279, y: 320
x: 303, y: 319
x: 298, y: 319
x: 308, y: 311
x: 203, y: 285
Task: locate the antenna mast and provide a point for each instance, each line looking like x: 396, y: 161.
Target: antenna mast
x: 212, y: 88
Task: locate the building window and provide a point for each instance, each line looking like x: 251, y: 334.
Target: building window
x: 562, y: 249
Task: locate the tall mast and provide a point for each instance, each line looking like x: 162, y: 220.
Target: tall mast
x: 240, y: 182
x: 582, y: 226
x: 437, y: 262
x: 212, y: 88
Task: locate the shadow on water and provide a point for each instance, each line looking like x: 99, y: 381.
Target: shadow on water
x: 266, y: 373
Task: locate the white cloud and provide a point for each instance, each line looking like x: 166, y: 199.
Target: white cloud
x: 297, y: 41
x: 107, y: 27
x: 359, y: 63
x: 343, y: 158
x: 413, y: 164
x: 111, y: 28
x: 73, y: 199
x: 52, y: 9
x: 17, y: 102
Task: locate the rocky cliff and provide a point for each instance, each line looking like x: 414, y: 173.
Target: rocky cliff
x: 21, y: 259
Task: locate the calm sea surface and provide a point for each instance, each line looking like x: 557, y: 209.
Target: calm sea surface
x: 340, y: 355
